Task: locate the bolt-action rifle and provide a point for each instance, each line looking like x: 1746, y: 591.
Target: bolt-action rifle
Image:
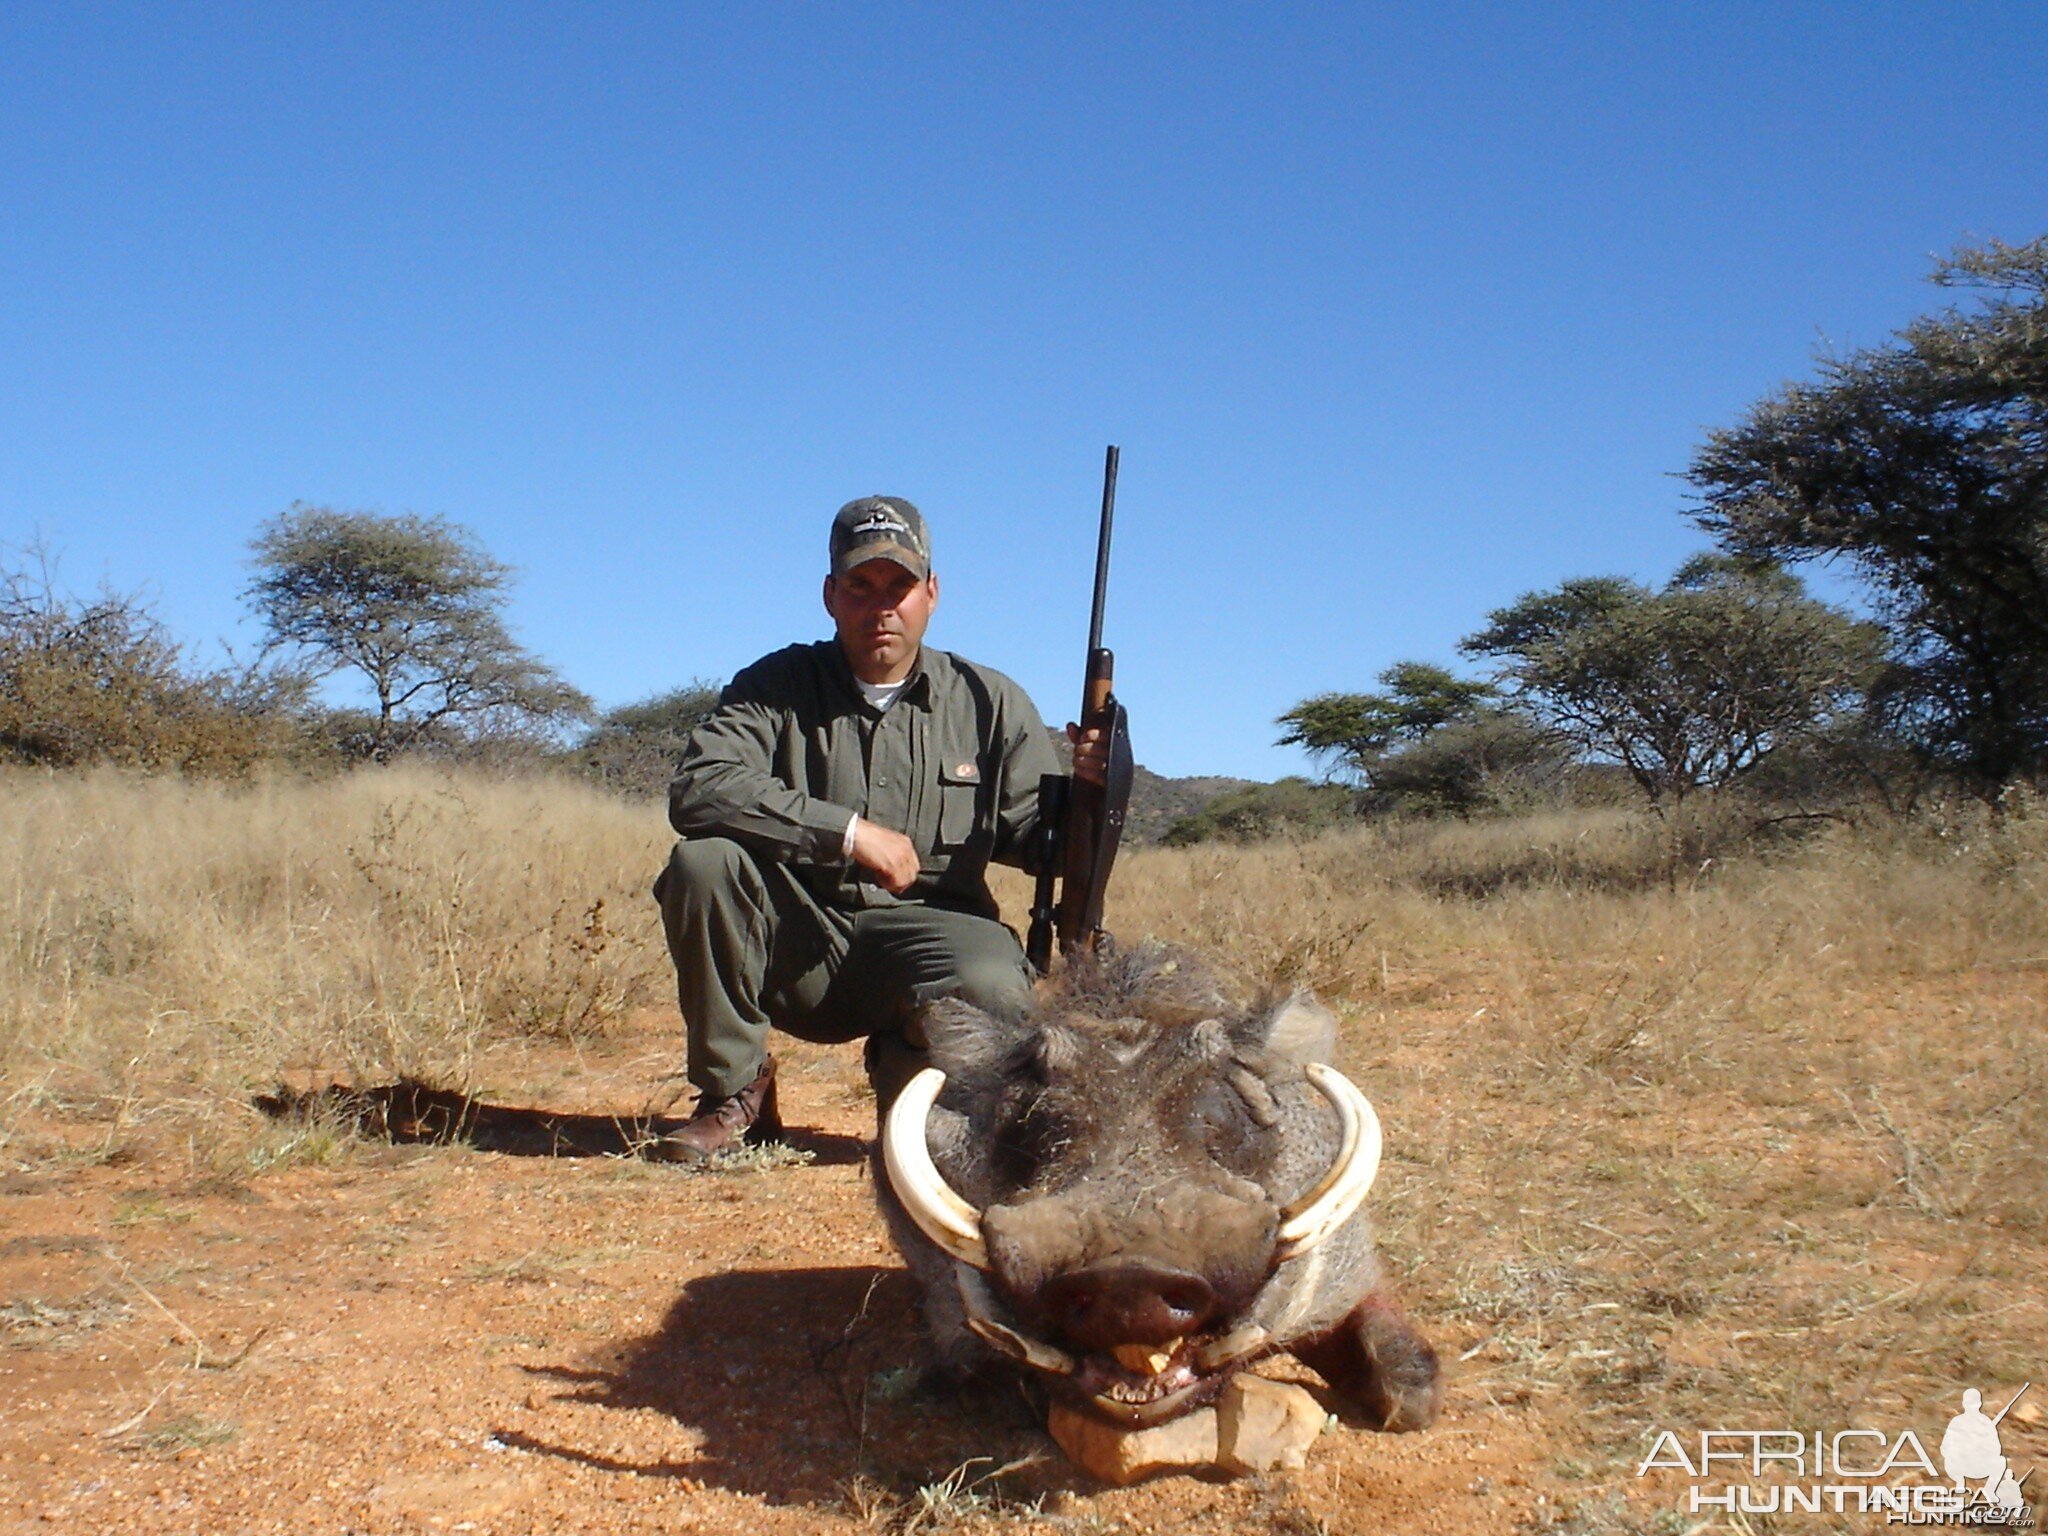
x: 1080, y: 823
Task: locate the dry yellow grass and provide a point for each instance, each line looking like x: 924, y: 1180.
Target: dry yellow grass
x: 1764, y: 1139
x: 166, y: 944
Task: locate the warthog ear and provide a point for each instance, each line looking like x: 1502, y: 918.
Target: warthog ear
x: 964, y: 1041
x: 1301, y: 1029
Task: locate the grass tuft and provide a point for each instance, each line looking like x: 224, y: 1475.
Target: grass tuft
x: 185, y: 1432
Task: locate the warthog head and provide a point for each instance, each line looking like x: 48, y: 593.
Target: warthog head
x: 1140, y: 1188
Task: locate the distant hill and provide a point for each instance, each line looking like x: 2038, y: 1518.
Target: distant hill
x: 1157, y: 802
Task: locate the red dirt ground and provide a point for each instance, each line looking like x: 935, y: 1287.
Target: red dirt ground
x: 437, y: 1339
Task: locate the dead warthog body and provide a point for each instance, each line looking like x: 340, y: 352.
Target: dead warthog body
x: 1139, y: 1189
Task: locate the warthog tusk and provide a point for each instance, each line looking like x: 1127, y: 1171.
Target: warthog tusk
x: 928, y: 1199
x: 1246, y: 1339
x: 1324, y: 1209
x: 1052, y: 1361
x: 974, y: 1304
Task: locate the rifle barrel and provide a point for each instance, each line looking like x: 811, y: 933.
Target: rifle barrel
x: 2014, y: 1398
x: 1102, y: 549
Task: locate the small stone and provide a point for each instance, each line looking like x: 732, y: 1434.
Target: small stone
x: 1261, y: 1424
x: 1120, y: 1456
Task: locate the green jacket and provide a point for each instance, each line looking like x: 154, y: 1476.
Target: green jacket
x: 793, y: 752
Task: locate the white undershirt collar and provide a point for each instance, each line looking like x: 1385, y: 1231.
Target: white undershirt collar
x: 882, y: 695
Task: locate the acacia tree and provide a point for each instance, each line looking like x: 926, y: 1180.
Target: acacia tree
x: 1431, y: 742
x: 636, y: 747
x: 415, y: 606
x: 1924, y: 464
x: 1688, y: 687
x: 1351, y: 732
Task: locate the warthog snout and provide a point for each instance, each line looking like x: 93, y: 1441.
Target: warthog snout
x: 1099, y: 1309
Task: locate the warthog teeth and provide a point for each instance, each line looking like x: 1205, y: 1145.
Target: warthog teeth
x: 1145, y: 1359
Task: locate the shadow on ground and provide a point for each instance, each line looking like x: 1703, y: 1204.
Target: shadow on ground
x: 800, y: 1386
x: 411, y: 1111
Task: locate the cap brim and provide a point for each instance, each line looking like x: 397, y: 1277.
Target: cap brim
x: 882, y: 549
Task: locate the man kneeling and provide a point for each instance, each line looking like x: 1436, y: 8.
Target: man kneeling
x: 839, y: 811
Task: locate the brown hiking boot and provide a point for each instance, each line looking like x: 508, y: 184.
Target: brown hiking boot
x: 723, y: 1125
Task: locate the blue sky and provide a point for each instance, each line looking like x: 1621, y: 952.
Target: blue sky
x: 1397, y: 312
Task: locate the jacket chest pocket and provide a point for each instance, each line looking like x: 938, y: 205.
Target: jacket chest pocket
x: 960, y: 790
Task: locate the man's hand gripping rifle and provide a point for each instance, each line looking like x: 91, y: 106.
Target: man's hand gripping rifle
x: 1081, y: 817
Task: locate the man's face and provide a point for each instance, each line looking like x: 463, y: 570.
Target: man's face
x: 881, y: 611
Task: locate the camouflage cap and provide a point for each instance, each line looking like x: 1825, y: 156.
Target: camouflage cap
x: 881, y: 528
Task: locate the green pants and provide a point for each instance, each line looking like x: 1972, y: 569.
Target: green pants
x: 754, y: 948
